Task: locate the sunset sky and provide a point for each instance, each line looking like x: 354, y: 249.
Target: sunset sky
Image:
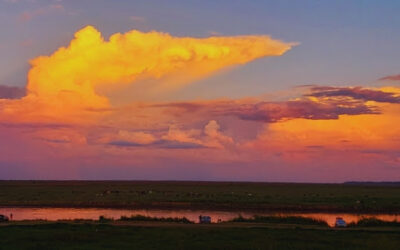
x: 291, y: 91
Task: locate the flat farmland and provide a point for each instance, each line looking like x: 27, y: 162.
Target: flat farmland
x: 202, y: 195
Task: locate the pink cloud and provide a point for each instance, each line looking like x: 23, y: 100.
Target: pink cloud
x: 391, y: 78
x: 138, y: 19
x: 28, y: 15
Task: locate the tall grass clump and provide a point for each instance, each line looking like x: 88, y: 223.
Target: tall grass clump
x: 183, y: 220
x: 282, y: 219
x: 374, y: 222
x: 104, y: 219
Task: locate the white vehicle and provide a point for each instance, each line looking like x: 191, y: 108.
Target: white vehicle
x: 340, y: 222
x: 204, y: 219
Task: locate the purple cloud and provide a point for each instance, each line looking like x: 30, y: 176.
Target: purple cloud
x: 355, y: 93
x: 9, y: 92
x: 391, y: 78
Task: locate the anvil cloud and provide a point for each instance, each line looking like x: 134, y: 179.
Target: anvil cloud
x: 91, y: 62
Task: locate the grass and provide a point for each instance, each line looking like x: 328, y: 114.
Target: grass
x: 147, y: 218
x: 105, y: 236
x: 201, y: 195
x: 103, y: 219
x: 374, y: 222
x: 282, y: 220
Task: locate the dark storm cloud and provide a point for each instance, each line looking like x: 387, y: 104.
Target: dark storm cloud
x: 273, y: 111
x: 355, y: 93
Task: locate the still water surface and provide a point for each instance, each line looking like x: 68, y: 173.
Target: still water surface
x: 54, y: 214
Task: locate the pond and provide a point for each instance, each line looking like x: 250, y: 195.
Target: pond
x: 54, y: 214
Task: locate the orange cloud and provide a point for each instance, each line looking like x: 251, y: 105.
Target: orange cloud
x: 68, y: 112
x: 90, y: 62
x: 179, y: 135
x: 215, y: 138
x: 355, y: 134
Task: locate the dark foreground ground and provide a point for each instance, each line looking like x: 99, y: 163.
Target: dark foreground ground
x: 42, y: 235
x: 265, y: 234
x: 203, y: 195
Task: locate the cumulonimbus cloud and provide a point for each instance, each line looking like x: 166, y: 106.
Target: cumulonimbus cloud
x: 63, y: 95
x: 90, y: 61
x: 65, y: 84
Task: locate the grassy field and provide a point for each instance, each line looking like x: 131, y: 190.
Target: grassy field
x: 202, y: 195
x: 140, y: 232
x: 189, y: 236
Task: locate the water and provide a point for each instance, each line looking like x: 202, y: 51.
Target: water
x: 54, y: 214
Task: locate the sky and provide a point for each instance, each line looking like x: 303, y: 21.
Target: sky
x: 280, y: 91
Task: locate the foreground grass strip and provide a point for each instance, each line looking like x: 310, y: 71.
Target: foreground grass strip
x: 105, y: 236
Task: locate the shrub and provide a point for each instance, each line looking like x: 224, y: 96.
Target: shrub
x: 282, y: 219
x: 374, y: 222
x: 162, y: 219
x: 103, y: 219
